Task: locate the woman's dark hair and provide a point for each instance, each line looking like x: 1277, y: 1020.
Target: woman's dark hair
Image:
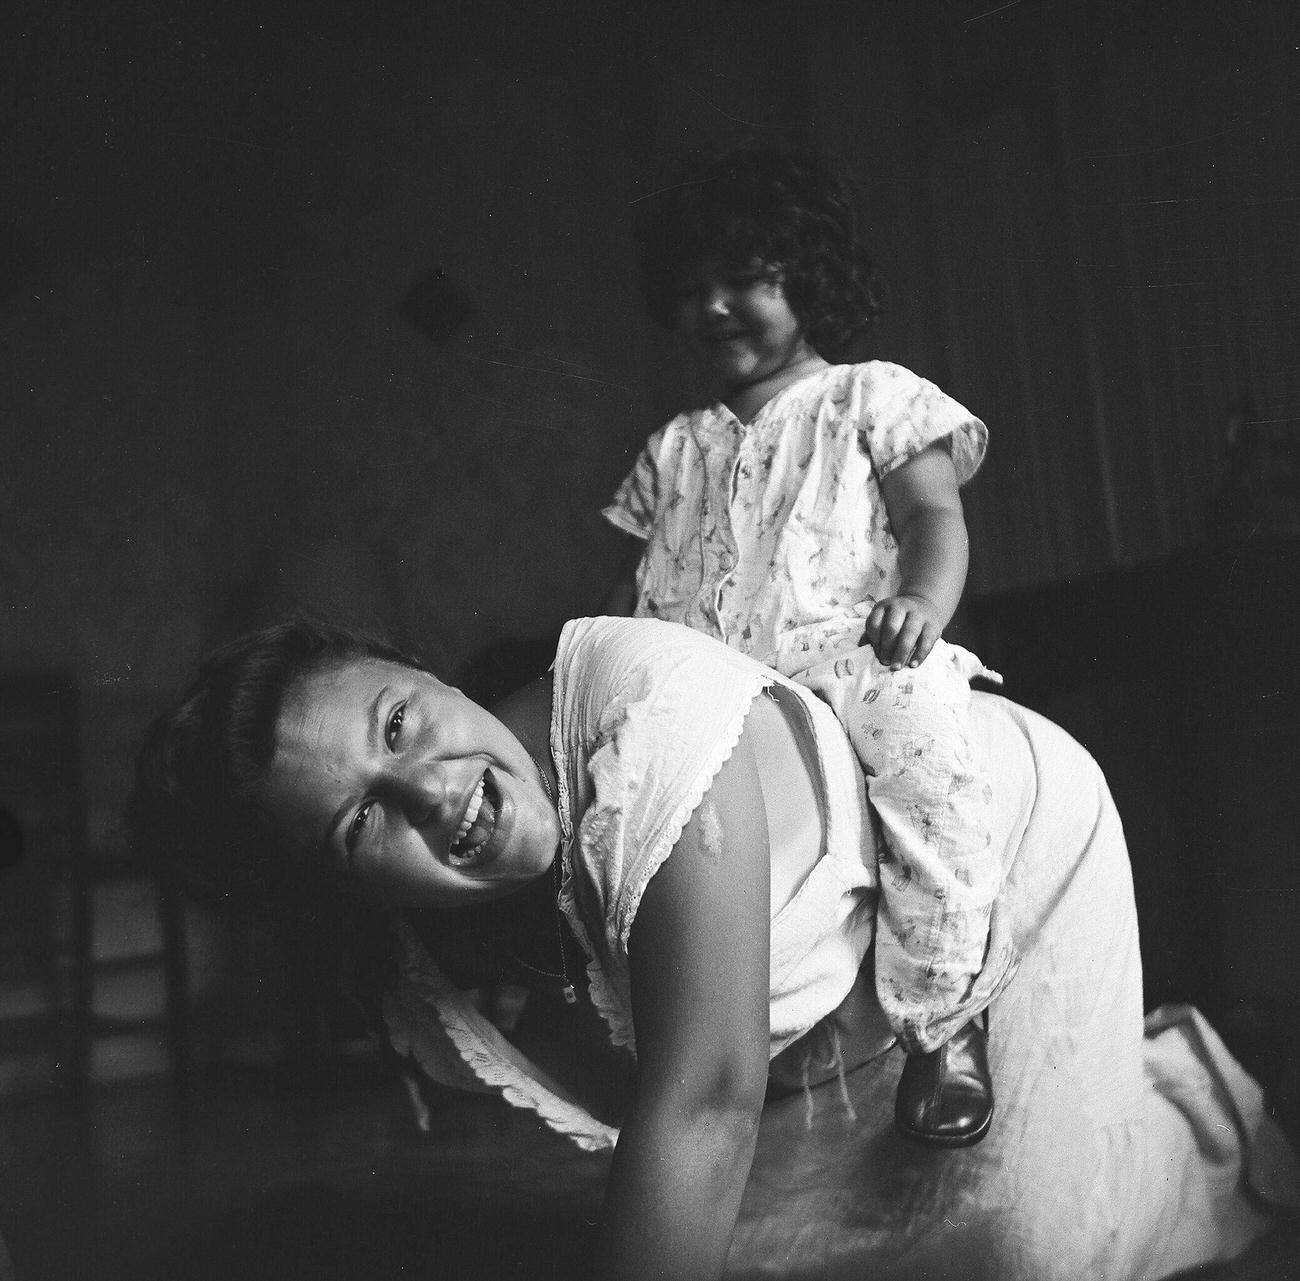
x: 791, y: 212
x: 195, y: 810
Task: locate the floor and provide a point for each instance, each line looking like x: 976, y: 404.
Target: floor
x: 250, y: 1180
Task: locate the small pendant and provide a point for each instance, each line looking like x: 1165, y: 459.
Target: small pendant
x: 570, y: 996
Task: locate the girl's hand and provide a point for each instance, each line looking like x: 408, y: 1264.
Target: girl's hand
x: 902, y: 630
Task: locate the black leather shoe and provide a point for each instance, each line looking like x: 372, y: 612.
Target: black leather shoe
x: 945, y: 1098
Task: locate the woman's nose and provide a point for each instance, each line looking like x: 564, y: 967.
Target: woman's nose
x: 422, y: 793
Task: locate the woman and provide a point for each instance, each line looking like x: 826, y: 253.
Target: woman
x: 697, y: 824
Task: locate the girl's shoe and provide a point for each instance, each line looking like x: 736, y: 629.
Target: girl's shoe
x: 945, y: 1097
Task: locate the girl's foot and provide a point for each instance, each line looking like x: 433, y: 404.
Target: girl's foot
x: 945, y: 1097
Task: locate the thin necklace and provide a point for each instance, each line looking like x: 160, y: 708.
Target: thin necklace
x: 566, y: 987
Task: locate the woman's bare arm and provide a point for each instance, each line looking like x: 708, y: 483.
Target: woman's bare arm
x: 699, y: 958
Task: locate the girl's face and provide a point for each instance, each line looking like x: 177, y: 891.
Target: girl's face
x: 738, y: 323
x: 412, y: 793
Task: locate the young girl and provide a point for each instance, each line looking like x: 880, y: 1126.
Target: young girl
x: 814, y: 511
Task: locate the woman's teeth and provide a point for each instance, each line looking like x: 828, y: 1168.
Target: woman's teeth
x: 477, y: 824
x: 471, y: 813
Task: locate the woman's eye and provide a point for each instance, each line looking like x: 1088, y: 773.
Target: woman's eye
x: 394, y: 726
x: 359, y: 821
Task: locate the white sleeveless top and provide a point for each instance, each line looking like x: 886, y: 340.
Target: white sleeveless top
x: 645, y: 714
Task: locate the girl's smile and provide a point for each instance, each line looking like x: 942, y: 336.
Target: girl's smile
x: 739, y: 324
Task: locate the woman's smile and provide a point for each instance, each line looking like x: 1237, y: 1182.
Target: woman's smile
x: 416, y: 794
x: 462, y: 848
x: 475, y: 842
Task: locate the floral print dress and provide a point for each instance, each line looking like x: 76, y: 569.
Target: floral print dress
x: 773, y: 537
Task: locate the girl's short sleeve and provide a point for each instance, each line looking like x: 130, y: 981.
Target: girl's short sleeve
x: 636, y: 500
x: 901, y: 414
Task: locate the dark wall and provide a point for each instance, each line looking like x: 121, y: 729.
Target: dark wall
x: 236, y: 380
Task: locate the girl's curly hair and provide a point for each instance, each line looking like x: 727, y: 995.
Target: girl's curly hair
x: 794, y: 213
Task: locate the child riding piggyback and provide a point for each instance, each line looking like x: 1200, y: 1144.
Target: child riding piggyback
x: 811, y: 518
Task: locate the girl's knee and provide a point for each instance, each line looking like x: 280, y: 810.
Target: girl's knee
x: 898, y: 714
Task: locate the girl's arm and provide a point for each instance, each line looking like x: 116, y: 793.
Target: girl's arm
x: 925, y: 513
x: 699, y: 961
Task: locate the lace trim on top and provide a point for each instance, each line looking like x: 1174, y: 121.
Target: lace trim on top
x: 610, y: 993
x: 599, y: 990
x: 477, y: 1045
x: 690, y: 802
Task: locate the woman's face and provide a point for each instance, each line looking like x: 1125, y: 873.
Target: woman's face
x: 417, y: 796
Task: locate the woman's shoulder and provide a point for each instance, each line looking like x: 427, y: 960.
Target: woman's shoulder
x: 638, y: 700
x: 640, y: 650
x: 646, y: 714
